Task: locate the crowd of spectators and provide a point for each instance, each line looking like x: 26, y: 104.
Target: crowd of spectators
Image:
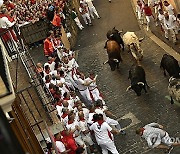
x: 63, y: 79
x: 26, y: 11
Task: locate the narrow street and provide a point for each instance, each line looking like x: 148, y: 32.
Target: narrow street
x: 137, y: 111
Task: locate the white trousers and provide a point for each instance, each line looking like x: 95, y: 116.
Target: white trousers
x: 109, y: 146
x: 93, y: 10
x: 78, y: 23
x: 149, y: 19
x: 70, y: 80
x: 172, y: 33
x: 86, y: 95
x: 87, y: 139
x: 96, y: 94
x: 85, y: 17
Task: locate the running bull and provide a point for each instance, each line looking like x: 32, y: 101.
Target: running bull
x: 174, y: 89
x: 114, y: 57
x: 133, y: 43
x: 138, y: 79
x: 170, y: 64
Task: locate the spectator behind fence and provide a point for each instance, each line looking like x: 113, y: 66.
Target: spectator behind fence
x: 9, y: 37
x: 48, y: 45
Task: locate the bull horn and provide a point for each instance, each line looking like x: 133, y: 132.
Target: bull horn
x: 105, y: 62
x: 128, y: 88
x: 121, y: 31
x: 116, y: 60
x: 171, y: 79
x: 141, y: 39
x: 140, y: 83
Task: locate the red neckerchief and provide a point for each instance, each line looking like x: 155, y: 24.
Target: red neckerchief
x: 47, y: 71
x: 100, y: 122
x: 50, y: 62
x: 66, y: 99
x: 70, y: 121
x: 64, y: 115
x: 47, y: 81
x: 59, y: 103
x: 142, y: 130
x: 81, y: 119
x: 57, y: 96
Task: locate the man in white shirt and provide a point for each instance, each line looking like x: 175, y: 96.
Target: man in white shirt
x: 106, y: 116
x: 8, y: 37
x: 170, y: 27
x: 169, y: 8
x: 161, y: 18
x: 139, y: 11
x: 83, y: 88
x: 76, y: 19
x: 156, y: 137
x: 60, y: 146
x: 73, y: 127
x: 92, y: 9
x: 85, y: 132
x: 93, y: 87
x: 104, y: 137
x: 51, y: 63
x: 85, y: 15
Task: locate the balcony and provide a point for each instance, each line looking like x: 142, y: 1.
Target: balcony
x: 7, y: 94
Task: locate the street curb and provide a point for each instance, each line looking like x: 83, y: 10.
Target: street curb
x: 155, y: 39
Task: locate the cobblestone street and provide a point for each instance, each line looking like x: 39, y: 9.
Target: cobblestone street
x: 151, y: 107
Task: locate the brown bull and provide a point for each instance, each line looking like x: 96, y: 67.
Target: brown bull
x: 113, y: 51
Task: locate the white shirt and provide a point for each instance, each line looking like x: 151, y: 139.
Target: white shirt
x: 64, y: 120
x: 81, y: 83
x: 170, y: 24
x: 86, y: 113
x: 90, y: 118
x: 170, y: 9
x: 161, y: 18
x: 153, y: 135
x: 54, y: 72
x: 5, y: 23
x: 89, y: 3
x: 101, y: 132
x: 83, y: 127
x: 93, y: 85
x: 72, y: 126
x: 50, y: 65
x: 59, y: 110
x: 60, y: 146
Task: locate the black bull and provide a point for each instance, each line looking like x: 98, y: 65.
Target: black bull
x: 170, y: 64
x: 114, y: 34
x: 114, y: 57
x: 138, y: 79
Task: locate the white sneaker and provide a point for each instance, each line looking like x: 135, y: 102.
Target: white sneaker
x: 147, y: 29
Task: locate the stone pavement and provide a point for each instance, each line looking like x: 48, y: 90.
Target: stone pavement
x: 150, y: 107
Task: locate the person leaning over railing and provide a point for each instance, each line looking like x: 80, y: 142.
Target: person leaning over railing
x: 9, y: 37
